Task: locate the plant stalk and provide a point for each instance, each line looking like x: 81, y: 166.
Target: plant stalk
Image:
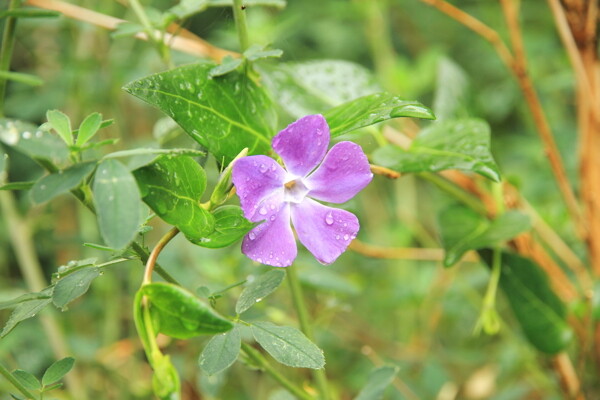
x: 9, y: 377
x: 8, y: 43
x: 455, y: 192
x: 150, y: 264
x: 305, y: 326
x: 239, y: 14
x: 259, y: 359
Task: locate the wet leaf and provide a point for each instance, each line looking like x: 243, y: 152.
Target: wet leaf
x: 73, y: 286
x: 27, y: 309
x: 54, y: 184
x: 260, y: 288
x: 462, y: 144
x: 33, y: 142
x: 230, y: 226
x: 220, y: 352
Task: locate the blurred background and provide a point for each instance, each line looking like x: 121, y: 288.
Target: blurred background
x: 412, y: 313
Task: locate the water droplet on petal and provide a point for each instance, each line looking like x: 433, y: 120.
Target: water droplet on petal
x: 252, y: 235
x: 263, y: 168
x: 337, y: 237
x: 262, y: 211
x: 329, y: 218
x: 346, y: 237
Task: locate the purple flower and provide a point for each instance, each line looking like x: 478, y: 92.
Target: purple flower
x: 272, y: 194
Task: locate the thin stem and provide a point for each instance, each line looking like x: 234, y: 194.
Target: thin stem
x: 455, y: 192
x: 305, y: 326
x: 388, y: 173
x: 9, y: 377
x: 8, y: 43
x: 239, y: 14
x: 150, y: 264
x: 258, y: 358
x: 404, y: 253
x: 141, y: 15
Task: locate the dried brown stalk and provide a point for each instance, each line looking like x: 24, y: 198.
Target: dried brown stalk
x: 186, y: 41
x: 404, y: 253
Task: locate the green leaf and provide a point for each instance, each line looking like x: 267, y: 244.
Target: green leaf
x: 126, y: 29
x: 229, y: 64
x: 258, y: 289
x: 117, y: 200
x: 73, y: 286
x: 27, y: 309
x: 151, y: 151
x: 61, y: 124
x: 23, y: 298
x: 57, y: 370
x: 288, y: 345
x: 18, y: 185
x: 30, y: 13
x: 224, y: 114
x: 257, y: 52
x: 462, y: 144
x: 165, y: 381
x: 311, y: 87
x: 541, y: 314
x: 26, y: 79
x: 56, y: 183
x: 220, y: 352
x: 230, y: 226
x: 462, y: 230
x: 33, y: 142
x: 451, y: 90
x: 172, y: 187
x: 378, y: 381
x: 371, y: 109
x: 88, y: 128
x: 181, y: 314
x: 16, y: 397
x: 26, y: 379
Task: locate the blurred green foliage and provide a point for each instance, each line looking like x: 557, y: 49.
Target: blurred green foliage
x: 411, y: 314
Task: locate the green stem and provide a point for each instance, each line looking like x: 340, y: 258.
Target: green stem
x: 239, y: 14
x: 155, y: 37
x: 150, y: 264
x: 305, y: 326
x: 261, y: 361
x: 8, y: 43
x: 9, y: 377
x: 455, y: 192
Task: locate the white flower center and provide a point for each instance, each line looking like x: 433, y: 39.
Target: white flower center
x: 295, y: 191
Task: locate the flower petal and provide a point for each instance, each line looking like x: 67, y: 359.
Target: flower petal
x: 344, y: 172
x: 326, y: 232
x: 256, y: 178
x: 272, y: 242
x: 303, y: 144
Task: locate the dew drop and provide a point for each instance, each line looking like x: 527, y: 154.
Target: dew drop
x: 42, y: 187
x: 346, y: 237
x: 262, y: 211
x: 272, y: 218
x: 329, y: 218
x: 252, y: 236
x: 337, y: 237
x: 263, y: 168
x: 27, y: 135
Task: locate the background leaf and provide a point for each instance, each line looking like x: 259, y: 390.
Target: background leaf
x: 224, y: 114
x: 314, y: 86
x: 220, y: 352
x: 54, y: 184
x: 173, y: 187
x: 117, y: 200
x: 258, y: 289
x: 541, y: 314
x: 378, y: 381
x: 27, y: 379
x: 451, y: 90
x: 26, y: 310
x: 288, y: 345
x: 462, y: 230
x: 369, y: 110
x: 88, y: 128
x: 61, y: 124
x: 462, y: 144
x: 57, y: 370
x: 33, y: 142
x: 181, y: 314
x: 73, y: 285
x: 230, y: 226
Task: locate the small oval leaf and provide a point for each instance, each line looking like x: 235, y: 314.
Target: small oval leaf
x: 288, y: 345
x: 74, y: 285
x: 220, y: 352
x: 26, y: 379
x: 259, y: 289
x: 57, y: 370
x: 230, y: 226
x: 60, y: 182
